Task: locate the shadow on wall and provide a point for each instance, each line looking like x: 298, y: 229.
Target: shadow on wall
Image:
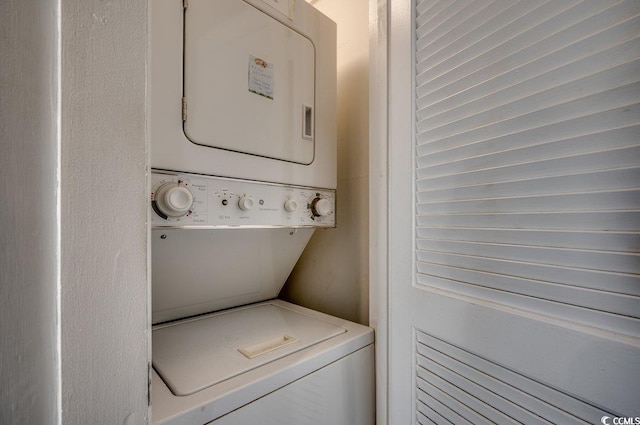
x: 332, y: 275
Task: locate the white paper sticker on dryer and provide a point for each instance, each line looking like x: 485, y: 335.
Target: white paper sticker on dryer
x: 260, y: 77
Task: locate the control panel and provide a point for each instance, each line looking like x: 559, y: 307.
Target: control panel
x: 186, y: 200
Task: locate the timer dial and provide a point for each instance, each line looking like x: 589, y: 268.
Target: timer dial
x: 173, y: 200
x: 320, y: 207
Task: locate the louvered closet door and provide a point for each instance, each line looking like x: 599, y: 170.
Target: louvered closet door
x: 522, y: 300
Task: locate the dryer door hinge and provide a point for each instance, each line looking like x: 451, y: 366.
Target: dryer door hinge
x: 184, y: 109
x: 149, y: 375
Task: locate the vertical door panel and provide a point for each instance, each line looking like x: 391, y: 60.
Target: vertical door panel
x: 514, y: 288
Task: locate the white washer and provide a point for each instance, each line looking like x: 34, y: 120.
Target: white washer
x: 243, y: 149
x: 265, y: 362
x: 319, y: 372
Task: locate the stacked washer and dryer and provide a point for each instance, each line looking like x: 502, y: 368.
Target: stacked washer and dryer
x: 243, y: 150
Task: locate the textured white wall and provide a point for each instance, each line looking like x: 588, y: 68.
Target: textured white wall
x: 332, y: 275
x: 104, y: 337
x: 28, y: 265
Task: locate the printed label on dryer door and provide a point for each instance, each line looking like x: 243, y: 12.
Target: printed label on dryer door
x: 260, y: 77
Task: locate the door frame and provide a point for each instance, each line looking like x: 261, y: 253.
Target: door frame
x: 392, y: 240
x: 390, y: 195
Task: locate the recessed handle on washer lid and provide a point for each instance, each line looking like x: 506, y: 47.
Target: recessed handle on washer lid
x: 271, y: 344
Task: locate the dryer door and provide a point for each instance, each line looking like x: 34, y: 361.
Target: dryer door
x: 249, y: 82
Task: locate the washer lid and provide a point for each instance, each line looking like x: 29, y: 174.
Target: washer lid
x: 249, y: 82
x: 196, y: 354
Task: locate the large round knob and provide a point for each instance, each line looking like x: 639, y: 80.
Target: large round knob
x: 173, y: 200
x: 320, y: 207
x: 245, y: 203
x: 290, y: 205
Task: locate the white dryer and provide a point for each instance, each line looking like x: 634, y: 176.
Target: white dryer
x: 243, y: 88
x: 243, y: 150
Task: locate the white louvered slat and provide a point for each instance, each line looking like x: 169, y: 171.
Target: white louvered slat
x: 424, y: 420
x: 434, y: 20
x: 577, y: 61
x: 432, y: 10
x: 576, y: 221
x: 615, y: 323
x: 509, y: 103
x: 470, y: 407
x: 434, y: 401
x: 484, y: 389
x: 520, y: 42
x: 618, y: 97
x: 535, y: 279
x: 615, y: 262
x: 424, y: 6
x: 429, y: 416
x: 598, y: 201
x: 500, y: 270
x: 527, y: 167
x: 600, y: 241
x: 465, y: 20
x: 528, y: 156
x: 467, y: 407
x: 504, y: 25
x: 582, y: 127
x: 596, y: 181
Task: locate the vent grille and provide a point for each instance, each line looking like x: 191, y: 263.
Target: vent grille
x: 528, y: 155
x: 458, y: 387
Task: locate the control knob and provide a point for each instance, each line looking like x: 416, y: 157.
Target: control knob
x: 245, y: 203
x: 320, y: 207
x: 290, y: 205
x: 173, y: 200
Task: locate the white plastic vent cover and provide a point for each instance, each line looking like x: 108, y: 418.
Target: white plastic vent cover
x: 249, y: 82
